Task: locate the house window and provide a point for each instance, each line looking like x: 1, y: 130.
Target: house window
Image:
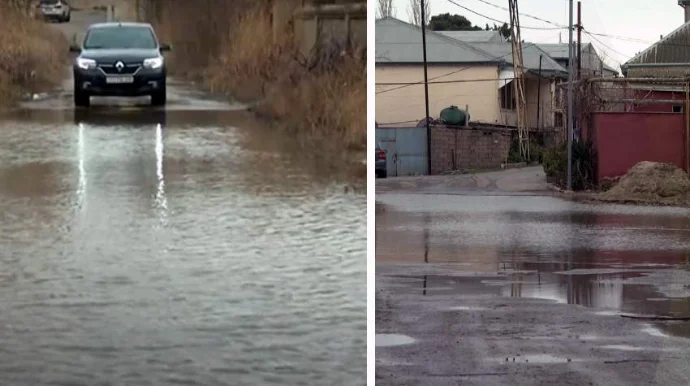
x: 678, y: 109
x: 507, y: 93
x: 558, y: 119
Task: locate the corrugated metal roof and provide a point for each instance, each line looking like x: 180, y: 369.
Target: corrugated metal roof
x: 560, y: 50
x: 475, y: 36
x: 672, y: 48
x: 400, y: 42
x: 530, y: 56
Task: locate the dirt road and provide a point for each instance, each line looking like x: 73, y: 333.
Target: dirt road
x: 182, y: 245
x: 488, y: 280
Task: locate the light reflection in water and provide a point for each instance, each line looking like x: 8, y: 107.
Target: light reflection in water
x: 81, y: 188
x: 161, y: 200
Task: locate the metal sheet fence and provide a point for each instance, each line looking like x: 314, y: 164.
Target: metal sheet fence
x: 405, y: 148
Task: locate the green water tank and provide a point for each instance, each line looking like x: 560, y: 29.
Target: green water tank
x: 454, y: 116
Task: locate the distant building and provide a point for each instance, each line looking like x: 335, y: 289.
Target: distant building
x: 476, y: 71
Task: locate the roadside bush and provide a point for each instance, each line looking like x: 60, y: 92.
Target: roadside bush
x: 536, y: 150
x: 32, y: 54
x: 555, y: 163
x: 230, y: 47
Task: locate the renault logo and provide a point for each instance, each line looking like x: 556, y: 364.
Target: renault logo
x: 120, y: 66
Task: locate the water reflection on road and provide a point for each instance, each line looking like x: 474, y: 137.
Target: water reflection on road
x: 154, y: 247
x: 621, y: 259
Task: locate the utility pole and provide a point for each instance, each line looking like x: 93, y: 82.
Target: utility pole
x: 426, y: 90
x: 539, y: 95
x: 519, y: 81
x: 570, y: 97
x: 579, y: 40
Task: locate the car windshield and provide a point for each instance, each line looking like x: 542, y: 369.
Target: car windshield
x: 120, y: 37
x: 49, y: 2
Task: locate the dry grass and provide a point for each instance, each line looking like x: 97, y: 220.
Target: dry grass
x: 320, y: 99
x: 32, y: 54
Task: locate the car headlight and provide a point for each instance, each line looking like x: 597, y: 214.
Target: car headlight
x: 153, y: 63
x: 86, y: 64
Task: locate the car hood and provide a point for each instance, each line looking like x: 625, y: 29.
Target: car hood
x: 111, y: 56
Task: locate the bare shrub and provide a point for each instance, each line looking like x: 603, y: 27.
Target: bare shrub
x: 232, y: 48
x: 32, y: 55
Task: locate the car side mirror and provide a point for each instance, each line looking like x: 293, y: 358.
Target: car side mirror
x: 74, y: 48
x: 165, y: 47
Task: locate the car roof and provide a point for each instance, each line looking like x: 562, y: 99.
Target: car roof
x: 119, y: 24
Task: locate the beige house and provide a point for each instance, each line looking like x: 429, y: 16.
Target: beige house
x: 477, y: 74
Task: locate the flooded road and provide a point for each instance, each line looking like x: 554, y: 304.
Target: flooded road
x: 173, y: 246
x: 501, y: 274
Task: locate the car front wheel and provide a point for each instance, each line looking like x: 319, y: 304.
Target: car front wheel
x: 159, y: 98
x: 81, y: 99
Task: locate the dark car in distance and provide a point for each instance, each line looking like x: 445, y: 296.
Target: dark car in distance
x: 120, y: 59
x: 57, y: 10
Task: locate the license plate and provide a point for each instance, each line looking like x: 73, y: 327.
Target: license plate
x: 119, y: 79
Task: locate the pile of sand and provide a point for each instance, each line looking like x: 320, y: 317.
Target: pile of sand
x: 652, y: 182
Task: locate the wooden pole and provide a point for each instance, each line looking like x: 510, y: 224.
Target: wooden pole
x: 539, y: 95
x: 426, y: 89
x: 579, y: 40
x: 687, y: 127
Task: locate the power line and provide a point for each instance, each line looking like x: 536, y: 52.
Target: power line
x: 501, y: 21
x: 526, y: 15
x: 456, y: 71
x: 603, y: 44
x: 444, y: 81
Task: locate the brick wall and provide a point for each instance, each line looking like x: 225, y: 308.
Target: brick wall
x: 472, y: 149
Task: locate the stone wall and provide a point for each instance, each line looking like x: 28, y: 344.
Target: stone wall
x: 316, y: 22
x: 471, y: 148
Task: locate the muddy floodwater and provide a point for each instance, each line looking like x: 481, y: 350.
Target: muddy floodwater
x: 166, y: 247
x: 608, y: 257
x: 488, y: 286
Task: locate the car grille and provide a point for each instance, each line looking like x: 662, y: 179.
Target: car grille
x: 129, y: 69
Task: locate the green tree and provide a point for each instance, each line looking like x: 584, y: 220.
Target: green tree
x: 448, y: 22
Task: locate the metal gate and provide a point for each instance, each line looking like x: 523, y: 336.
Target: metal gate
x: 405, y: 149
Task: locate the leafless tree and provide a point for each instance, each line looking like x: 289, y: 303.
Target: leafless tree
x: 414, y: 11
x: 385, y: 8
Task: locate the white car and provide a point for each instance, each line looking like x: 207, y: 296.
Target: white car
x: 55, y: 10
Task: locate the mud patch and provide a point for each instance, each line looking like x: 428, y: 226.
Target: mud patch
x: 392, y: 340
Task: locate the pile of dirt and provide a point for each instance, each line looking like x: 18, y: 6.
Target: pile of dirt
x: 653, y: 183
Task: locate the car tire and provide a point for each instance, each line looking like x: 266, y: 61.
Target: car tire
x: 159, y: 98
x: 81, y: 99
x: 383, y: 173
x: 67, y: 19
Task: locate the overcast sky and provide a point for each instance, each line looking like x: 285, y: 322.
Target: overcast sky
x: 640, y: 22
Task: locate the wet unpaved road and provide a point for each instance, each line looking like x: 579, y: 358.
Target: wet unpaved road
x: 174, y: 246
x: 484, y: 280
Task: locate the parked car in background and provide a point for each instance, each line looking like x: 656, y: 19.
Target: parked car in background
x: 57, y: 10
x: 381, y: 170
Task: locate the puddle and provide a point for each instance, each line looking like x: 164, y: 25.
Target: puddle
x: 607, y: 313
x: 679, y: 329
x: 465, y: 308
x: 623, y: 347
x: 537, y: 359
x: 612, y: 259
x: 653, y: 331
x: 392, y: 340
